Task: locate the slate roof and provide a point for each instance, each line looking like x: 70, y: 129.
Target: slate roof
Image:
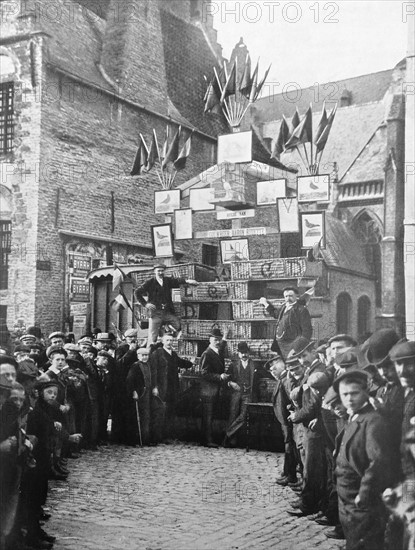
x: 343, y: 250
x: 367, y: 88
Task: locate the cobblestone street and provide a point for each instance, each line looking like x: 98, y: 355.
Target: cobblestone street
x: 178, y: 497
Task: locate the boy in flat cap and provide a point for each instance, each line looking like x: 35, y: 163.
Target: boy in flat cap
x: 159, y: 303
x: 363, y: 465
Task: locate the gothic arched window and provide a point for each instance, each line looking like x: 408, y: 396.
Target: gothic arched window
x: 343, y: 313
x: 363, y: 316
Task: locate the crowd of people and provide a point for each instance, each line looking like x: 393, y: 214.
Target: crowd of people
x: 347, y: 414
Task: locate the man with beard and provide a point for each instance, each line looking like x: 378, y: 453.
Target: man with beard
x: 159, y: 303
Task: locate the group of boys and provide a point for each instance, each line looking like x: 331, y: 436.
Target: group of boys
x: 348, y: 416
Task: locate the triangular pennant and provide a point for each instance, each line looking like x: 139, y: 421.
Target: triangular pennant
x: 140, y: 158
x: 180, y: 162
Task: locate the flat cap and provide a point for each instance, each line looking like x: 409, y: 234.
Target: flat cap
x: 299, y: 345
x: 85, y: 339
x: 56, y: 349
x: 350, y: 376
x: 341, y: 338
x: 57, y: 334
x: 72, y: 347
x: 27, y: 369
x: 21, y: 348
x: 131, y: 332
x: 159, y: 266
x: 27, y: 338
x: 402, y: 351
x: 348, y: 359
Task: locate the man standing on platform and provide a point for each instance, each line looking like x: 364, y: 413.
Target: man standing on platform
x: 212, y: 365
x: 293, y: 320
x: 242, y: 372
x: 159, y: 303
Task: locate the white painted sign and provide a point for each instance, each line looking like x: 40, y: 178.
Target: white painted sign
x: 79, y: 309
x: 242, y: 232
x: 234, y: 214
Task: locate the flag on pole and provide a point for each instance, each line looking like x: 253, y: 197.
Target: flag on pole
x: 180, y: 162
x: 322, y: 124
x: 259, y: 87
x: 230, y: 85
x: 118, y: 277
x: 163, y: 152
x: 295, y: 121
x: 245, y: 84
x: 254, y: 85
x: 303, y: 133
x: 173, y: 150
x: 140, y: 158
x: 152, y: 152
x: 283, y: 136
x: 119, y: 303
x: 212, y: 95
x: 322, y: 140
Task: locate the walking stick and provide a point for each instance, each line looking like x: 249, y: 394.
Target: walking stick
x: 138, y: 423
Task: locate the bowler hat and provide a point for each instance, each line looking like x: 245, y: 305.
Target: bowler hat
x: 298, y: 346
x: 359, y: 376
x: 159, y: 266
x: 216, y: 333
x: 380, y: 344
x: 34, y: 331
x: 57, y: 334
x: 341, y: 338
x: 276, y: 357
x: 348, y: 359
x: 403, y: 351
x: 243, y: 347
x: 56, y: 349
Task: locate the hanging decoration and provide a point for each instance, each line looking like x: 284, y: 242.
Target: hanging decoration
x: 233, y: 89
x: 171, y: 158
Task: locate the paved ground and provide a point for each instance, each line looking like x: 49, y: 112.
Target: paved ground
x: 177, y: 497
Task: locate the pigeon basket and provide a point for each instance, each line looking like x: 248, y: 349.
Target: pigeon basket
x: 241, y: 330
x: 259, y: 349
x: 215, y: 292
x: 187, y: 271
x: 188, y: 347
x: 141, y: 312
x: 277, y: 268
x: 253, y: 309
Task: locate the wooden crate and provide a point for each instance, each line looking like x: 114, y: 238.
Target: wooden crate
x: 199, y: 272
x: 215, y: 292
x: 253, y: 309
x: 277, y: 268
x: 188, y: 347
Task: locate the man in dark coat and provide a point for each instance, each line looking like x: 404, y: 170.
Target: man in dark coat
x: 363, y: 465
x: 139, y: 384
x: 212, y: 365
x: 293, y: 320
x: 159, y: 303
x: 166, y: 364
x: 241, y: 382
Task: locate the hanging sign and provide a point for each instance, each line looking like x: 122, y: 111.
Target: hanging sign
x: 235, y: 214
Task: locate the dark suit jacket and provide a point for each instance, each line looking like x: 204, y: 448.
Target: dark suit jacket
x: 281, y: 400
x: 235, y: 372
x: 292, y: 323
x: 212, y: 365
x: 139, y: 378
x: 165, y: 372
x: 366, y: 446
x: 158, y: 295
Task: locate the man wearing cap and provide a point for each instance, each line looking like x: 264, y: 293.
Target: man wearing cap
x: 127, y: 350
x: 166, y: 365
x: 159, y: 302
x: 102, y: 341
x: 363, y: 465
x: 57, y: 338
x: 241, y: 382
x: 303, y: 351
x: 403, y: 357
x: 293, y: 320
x: 212, y: 366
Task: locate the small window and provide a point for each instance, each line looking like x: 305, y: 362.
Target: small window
x: 209, y: 255
x: 363, y: 316
x: 344, y: 313
x: 6, y: 117
x: 5, y: 249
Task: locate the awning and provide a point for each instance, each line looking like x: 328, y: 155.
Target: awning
x: 107, y: 271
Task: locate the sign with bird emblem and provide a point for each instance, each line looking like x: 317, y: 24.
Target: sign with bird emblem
x: 162, y: 240
x: 313, y: 229
x: 236, y: 250
x: 314, y: 188
x: 166, y: 202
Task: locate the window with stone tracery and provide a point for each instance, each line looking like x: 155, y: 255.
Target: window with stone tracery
x: 6, y: 117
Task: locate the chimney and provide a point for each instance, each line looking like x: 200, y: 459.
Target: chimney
x: 132, y: 53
